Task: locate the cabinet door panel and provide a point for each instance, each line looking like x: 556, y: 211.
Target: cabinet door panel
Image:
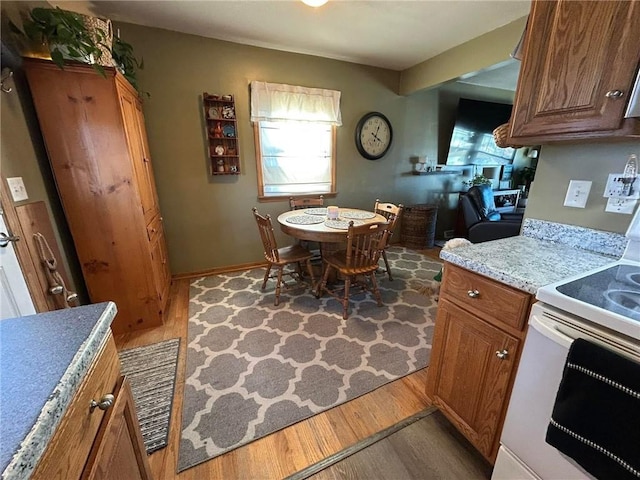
x: 134, y: 142
x: 466, y: 378
x: 576, y: 52
x: 119, y: 452
x: 160, y: 261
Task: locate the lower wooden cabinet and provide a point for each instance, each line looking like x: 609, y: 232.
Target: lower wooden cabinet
x: 98, y: 443
x: 475, y: 355
x: 119, y: 452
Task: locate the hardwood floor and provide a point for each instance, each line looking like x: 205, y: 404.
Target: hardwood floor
x: 429, y: 448
x: 291, y: 449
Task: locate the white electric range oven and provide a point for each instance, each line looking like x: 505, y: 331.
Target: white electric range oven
x: 601, y: 306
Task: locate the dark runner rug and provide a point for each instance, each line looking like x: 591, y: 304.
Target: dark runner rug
x: 151, y: 371
x: 254, y: 368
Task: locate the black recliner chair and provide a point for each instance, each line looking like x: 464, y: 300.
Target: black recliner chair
x: 482, y: 221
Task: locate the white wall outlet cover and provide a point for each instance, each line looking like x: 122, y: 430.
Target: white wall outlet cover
x: 577, y: 193
x: 620, y: 205
x: 616, y: 186
x: 17, y: 188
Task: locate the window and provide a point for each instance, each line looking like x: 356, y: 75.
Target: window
x: 295, y: 131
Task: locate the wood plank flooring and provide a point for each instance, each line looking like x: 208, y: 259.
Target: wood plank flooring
x: 429, y: 448
x: 291, y: 449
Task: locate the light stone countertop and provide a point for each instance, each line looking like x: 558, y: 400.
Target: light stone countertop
x: 43, y: 360
x: 544, y: 253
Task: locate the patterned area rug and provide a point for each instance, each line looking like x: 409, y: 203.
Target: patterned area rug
x: 151, y: 370
x: 253, y: 368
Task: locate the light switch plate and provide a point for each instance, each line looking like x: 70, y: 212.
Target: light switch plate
x: 577, y: 193
x: 18, y: 190
x: 620, y: 205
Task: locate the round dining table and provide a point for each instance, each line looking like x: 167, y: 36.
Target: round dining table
x: 312, y: 224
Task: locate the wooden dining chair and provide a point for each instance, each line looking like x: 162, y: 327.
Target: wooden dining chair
x: 297, y: 203
x: 281, y: 257
x: 392, y: 213
x: 357, y: 264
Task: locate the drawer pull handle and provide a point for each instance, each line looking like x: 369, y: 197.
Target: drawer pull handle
x: 473, y: 293
x: 502, y: 354
x: 104, y: 403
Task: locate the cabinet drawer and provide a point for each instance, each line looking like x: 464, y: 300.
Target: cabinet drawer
x: 69, y: 447
x: 487, y: 298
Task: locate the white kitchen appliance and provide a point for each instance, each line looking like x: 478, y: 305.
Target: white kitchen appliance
x: 602, y: 306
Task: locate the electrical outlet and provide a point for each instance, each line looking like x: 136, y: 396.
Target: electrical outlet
x: 620, y: 186
x: 17, y: 188
x: 620, y: 205
x: 577, y: 193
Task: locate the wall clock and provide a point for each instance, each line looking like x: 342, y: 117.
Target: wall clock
x: 373, y: 135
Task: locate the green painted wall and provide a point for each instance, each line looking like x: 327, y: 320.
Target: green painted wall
x: 484, y: 51
x: 590, y: 161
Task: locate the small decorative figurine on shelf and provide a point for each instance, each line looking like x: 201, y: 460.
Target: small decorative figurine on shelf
x: 219, y: 150
x: 233, y: 168
x: 228, y: 112
x: 217, y: 131
x: 220, y: 165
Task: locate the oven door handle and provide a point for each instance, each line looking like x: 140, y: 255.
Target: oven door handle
x: 550, y: 330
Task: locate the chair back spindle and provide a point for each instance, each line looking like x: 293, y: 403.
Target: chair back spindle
x: 392, y: 213
x: 267, y: 236
x: 306, y: 202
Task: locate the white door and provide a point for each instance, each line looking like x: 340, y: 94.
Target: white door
x: 15, y: 300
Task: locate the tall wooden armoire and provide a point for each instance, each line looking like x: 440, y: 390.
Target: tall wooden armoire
x: 94, y: 132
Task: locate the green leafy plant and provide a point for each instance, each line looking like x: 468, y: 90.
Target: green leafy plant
x: 126, y: 62
x: 65, y: 34
x: 478, y: 180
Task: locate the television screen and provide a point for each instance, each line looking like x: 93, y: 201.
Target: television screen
x: 472, y: 139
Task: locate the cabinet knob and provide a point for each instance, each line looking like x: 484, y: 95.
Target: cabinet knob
x: 614, y: 94
x: 502, y: 354
x: 473, y: 293
x: 105, y: 402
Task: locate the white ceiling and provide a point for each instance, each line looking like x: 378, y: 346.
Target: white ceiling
x: 389, y: 34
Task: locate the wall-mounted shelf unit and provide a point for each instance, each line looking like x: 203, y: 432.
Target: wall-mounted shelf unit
x: 222, y: 134
x: 436, y: 172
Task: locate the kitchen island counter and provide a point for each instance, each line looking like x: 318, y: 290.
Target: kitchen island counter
x: 43, y: 360
x: 543, y: 254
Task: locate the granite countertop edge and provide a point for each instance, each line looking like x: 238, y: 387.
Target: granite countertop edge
x: 500, y: 275
x: 34, y: 444
x: 547, y: 261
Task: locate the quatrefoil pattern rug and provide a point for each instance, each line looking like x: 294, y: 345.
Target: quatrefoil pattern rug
x: 254, y: 368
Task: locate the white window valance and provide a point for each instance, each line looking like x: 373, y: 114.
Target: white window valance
x: 277, y: 102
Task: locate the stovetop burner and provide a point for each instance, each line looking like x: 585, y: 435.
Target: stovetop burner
x: 616, y: 289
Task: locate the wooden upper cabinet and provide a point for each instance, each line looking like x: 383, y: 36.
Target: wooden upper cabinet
x: 579, y: 64
x: 93, y: 129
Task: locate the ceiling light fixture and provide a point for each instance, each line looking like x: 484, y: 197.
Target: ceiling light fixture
x: 314, y: 3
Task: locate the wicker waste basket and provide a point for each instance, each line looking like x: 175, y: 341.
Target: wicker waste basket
x: 418, y: 227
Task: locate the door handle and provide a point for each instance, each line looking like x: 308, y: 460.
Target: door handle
x: 5, y: 239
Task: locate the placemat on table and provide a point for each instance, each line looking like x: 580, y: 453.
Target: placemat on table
x: 357, y: 214
x: 342, y: 224
x: 315, y: 211
x: 305, y: 219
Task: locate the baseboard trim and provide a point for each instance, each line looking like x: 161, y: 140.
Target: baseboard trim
x: 361, y: 445
x: 219, y: 270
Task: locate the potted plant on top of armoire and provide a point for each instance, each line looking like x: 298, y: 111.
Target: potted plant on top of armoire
x: 66, y: 35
